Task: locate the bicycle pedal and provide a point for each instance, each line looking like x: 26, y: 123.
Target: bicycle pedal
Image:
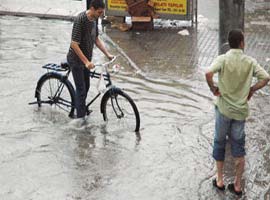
x: 88, y: 112
x: 32, y: 103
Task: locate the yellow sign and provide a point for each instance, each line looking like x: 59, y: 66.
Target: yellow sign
x: 117, y: 5
x: 178, y: 7
x: 171, y: 6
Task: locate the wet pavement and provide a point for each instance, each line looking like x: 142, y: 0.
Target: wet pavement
x: 42, y: 157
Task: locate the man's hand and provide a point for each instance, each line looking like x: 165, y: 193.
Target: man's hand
x: 209, y: 78
x: 110, y: 56
x: 251, y: 92
x: 257, y: 86
x: 215, y: 91
x: 89, y: 65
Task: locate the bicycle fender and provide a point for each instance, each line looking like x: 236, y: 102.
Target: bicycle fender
x: 53, y: 74
x: 107, y: 95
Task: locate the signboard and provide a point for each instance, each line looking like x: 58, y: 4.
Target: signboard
x: 175, y: 7
x: 117, y: 5
x: 169, y: 9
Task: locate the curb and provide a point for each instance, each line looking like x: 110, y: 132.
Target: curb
x: 71, y: 18
x: 39, y: 15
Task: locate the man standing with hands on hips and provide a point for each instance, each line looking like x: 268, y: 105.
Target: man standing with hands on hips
x: 235, y: 72
x: 79, y: 57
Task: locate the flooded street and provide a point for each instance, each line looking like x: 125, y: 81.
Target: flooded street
x: 41, y: 157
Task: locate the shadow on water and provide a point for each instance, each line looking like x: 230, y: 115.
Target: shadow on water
x: 170, y: 158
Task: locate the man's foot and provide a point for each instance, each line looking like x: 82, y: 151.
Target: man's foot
x: 232, y: 190
x: 222, y: 188
x: 77, y: 123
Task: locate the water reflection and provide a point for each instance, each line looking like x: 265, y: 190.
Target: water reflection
x: 170, y: 158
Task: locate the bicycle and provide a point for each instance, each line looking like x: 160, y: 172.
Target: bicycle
x: 54, y: 89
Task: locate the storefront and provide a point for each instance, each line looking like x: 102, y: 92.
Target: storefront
x: 165, y: 9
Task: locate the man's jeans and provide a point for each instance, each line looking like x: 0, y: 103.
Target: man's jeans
x: 235, y: 130
x: 82, y: 82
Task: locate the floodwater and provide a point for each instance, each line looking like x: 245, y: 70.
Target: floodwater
x: 41, y: 157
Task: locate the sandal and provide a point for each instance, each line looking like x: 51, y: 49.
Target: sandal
x: 232, y: 190
x: 218, y: 187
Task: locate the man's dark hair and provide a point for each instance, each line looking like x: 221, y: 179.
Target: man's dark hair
x: 235, y: 37
x: 96, y: 4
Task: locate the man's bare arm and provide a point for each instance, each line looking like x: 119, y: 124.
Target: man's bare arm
x: 78, y: 51
x: 101, y: 46
x: 210, y: 82
x: 257, y: 86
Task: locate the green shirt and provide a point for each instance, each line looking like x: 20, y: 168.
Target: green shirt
x: 235, y: 73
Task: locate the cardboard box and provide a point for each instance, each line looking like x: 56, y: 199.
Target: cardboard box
x: 142, y: 23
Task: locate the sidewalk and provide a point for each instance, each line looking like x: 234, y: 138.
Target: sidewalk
x: 163, y: 49
x: 50, y: 9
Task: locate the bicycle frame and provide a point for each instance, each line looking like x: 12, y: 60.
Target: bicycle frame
x: 105, y: 75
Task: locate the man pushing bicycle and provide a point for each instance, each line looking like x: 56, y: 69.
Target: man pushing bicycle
x: 79, y: 57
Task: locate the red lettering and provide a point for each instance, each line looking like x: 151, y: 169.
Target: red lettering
x: 175, y: 5
x: 158, y: 4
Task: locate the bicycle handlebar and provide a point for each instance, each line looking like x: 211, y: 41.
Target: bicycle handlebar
x: 106, y: 63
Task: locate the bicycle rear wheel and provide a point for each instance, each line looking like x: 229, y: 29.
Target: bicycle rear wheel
x: 120, y: 111
x: 55, y: 91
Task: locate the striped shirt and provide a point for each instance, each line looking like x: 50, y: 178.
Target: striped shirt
x: 84, y: 32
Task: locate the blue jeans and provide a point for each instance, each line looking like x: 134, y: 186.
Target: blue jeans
x: 235, y: 130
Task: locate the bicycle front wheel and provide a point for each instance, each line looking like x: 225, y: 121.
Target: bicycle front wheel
x: 120, y: 111
x: 56, y: 92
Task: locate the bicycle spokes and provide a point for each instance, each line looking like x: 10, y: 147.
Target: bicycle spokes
x: 55, y: 93
x: 120, y: 112
x: 116, y: 108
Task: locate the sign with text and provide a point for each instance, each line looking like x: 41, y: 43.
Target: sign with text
x: 117, y: 5
x: 178, y: 7
x: 162, y: 7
